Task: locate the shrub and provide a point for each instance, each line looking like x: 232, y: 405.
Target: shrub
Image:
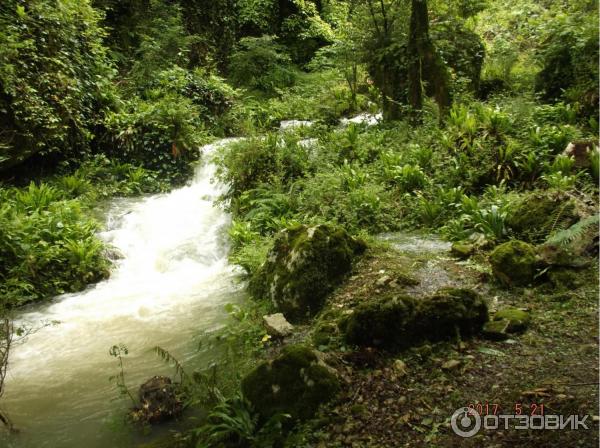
x: 48, y: 246
x: 55, y: 78
x: 260, y: 63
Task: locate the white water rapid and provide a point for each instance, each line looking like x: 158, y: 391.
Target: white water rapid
x: 169, y: 287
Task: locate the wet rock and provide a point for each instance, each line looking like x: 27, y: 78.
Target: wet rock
x: 277, y: 326
x: 401, y: 321
x: 513, y: 263
x: 295, y: 383
x: 158, y: 401
x: 518, y: 320
x: 304, y: 265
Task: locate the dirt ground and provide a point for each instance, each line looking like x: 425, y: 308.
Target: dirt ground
x: 407, y: 399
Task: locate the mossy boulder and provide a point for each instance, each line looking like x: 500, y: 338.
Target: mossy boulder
x: 450, y: 310
x: 386, y: 321
x: 533, y: 217
x: 514, y: 262
x: 304, y: 265
x: 294, y: 383
x: 398, y: 322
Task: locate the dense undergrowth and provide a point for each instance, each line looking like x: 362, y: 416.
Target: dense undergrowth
x: 118, y: 99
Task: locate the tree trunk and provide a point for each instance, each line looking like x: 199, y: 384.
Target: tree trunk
x: 424, y: 64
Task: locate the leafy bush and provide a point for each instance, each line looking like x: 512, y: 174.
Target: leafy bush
x: 261, y: 63
x: 162, y: 133
x: 55, y: 78
x: 48, y: 245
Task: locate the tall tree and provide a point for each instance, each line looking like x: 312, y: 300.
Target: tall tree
x: 425, y: 64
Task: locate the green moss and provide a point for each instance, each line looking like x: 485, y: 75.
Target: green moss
x: 533, y: 216
x: 496, y: 330
x: 323, y: 334
x: 564, y: 278
x: 304, y: 265
x: 386, y: 321
x: 293, y: 383
x: 513, y: 263
x: 462, y: 250
x: 449, y: 310
x: 399, y: 322
x: 518, y: 319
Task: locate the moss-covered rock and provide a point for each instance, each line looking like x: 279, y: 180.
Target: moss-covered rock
x: 399, y: 322
x: 303, y: 266
x: 513, y: 263
x: 295, y: 383
x: 462, y: 250
x: 534, y: 216
x: 496, y: 330
x: 386, y: 321
x: 518, y: 320
x: 449, y: 310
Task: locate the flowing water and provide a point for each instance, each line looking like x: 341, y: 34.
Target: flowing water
x: 170, y: 286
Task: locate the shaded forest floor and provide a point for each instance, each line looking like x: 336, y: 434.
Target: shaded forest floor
x: 407, y: 398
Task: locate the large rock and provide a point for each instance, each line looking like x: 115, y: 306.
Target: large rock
x: 398, y: 322
x: 304, y: 265
x: 158, y: 401
x: 387, y: 321
x: 294, y: 383
x: 450, y: 310
x: 514, y: 262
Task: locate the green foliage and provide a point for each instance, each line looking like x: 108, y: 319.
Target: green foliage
x: 566, y: 236
x: 569, y: 57
x: 234, y: 423
x: 55, y: 79
x: 261, y: 63
x: 48, y: 245
x: 162, y: 133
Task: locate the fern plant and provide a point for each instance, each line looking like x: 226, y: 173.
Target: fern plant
x: 567, y: 236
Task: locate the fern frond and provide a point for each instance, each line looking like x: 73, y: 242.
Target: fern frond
x: 566, y: 236
x: 559, y: 219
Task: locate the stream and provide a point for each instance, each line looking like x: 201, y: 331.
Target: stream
x: 169, y: 287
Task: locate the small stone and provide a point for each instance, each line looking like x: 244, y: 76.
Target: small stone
x: 382, y: 281
x: 277, y: 326
x: 400, y: 367
x: 462, y: 250
x: 518, y: 319
x: 451, y: 364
